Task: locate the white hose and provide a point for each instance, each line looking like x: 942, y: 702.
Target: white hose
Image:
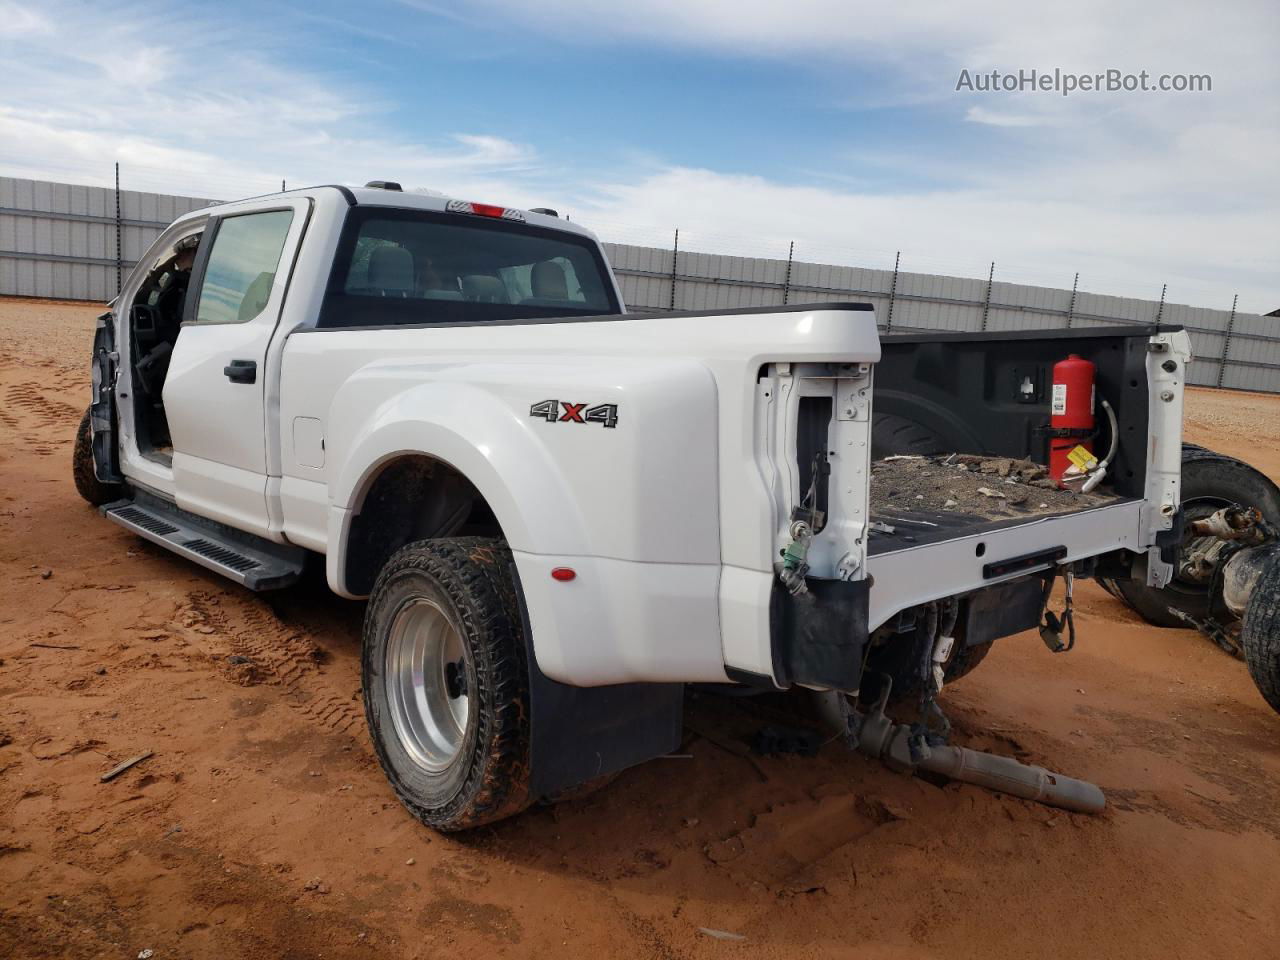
x: 1100, y: 471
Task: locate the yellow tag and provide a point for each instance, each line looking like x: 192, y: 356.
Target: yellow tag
x: 1083, y: 459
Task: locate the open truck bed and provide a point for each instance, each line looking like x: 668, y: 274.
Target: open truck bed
x: 959, y: 497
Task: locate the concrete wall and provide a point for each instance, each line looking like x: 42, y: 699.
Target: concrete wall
x: 59, y: 240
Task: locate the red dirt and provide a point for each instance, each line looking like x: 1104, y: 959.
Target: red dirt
x: 262, y: 827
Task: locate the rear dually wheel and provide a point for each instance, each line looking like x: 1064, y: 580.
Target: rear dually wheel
x: 446, y: 686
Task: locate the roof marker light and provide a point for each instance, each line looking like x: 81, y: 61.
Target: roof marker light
x: 484, y: 210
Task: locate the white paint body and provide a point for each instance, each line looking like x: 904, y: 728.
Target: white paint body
x: 672, y: 520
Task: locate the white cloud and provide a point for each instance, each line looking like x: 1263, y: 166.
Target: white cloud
x: 221, y: 119
x: 1031, y: 239
x: 17, y: 20
x: 1130, y: 190
x: 996, y: 119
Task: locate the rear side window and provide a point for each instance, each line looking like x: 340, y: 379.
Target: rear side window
x: 411, y: 267
x: 242, y: 266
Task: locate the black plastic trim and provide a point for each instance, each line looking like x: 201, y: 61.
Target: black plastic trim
x: 1075, y: 333
x: 190, y: 306
x: 749, y: 678
x: 346, y: 192
x: 1170, y: 541
x: 1026, y: 561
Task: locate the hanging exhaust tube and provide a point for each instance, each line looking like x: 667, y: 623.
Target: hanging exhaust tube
x: 879, y: 737
x: 891, y: 743
x: 1009, y: 776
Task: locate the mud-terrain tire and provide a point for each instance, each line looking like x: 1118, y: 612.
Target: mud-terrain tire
x: 451, y: 773
x: 900, y: 659
x: 965, y: 660
x: 88, y: 485
x: 1209, y: 480
x: 1260, y: 634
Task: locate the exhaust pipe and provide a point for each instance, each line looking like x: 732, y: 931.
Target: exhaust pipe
x: 878, y: 737
x: 1009, y: 776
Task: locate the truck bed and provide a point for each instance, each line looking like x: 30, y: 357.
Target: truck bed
x: 917, y: 500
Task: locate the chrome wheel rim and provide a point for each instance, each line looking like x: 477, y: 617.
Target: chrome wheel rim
x: 426, y: 684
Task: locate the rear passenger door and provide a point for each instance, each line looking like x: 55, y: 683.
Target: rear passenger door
x: 215, y: 392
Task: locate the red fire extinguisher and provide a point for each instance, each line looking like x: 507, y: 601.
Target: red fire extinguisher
x: 1071, y: 423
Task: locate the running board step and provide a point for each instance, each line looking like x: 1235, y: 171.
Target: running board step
x: 248, y: 560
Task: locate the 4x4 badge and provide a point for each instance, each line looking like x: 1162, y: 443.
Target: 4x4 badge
x: 561, y: 411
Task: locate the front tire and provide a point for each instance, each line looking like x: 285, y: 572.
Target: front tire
x: 965, y: 660
x: 1209, y: 481
x: 446, y: 685
x: 88, y: 485
x: 1260, y: 634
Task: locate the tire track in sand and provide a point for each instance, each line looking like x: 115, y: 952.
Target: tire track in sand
x: 277, y: 652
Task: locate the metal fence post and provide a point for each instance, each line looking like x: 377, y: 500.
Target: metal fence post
x: 786, y: 283
x: 893, y: 290
x: 1071, y: 308
x: 675, y: 255
x: 1160, y: 309
x: 1226, y: 340
x: 986, y: 304
x: 119, y: 255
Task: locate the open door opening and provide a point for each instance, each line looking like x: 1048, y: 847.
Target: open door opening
x: 155, y: 319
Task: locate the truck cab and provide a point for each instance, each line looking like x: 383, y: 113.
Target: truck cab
x: 560, y: 513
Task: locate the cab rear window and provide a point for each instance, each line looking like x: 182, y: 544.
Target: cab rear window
x: 396, y: 267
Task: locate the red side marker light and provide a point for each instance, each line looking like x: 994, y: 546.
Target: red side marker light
x: 563, y: 574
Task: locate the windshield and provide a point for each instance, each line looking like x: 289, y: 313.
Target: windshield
x: 408, y: 266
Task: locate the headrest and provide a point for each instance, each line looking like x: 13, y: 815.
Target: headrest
x: 391, y: 269
x: 256, y: 296
x: 483, y: 289
x: 548, y: 281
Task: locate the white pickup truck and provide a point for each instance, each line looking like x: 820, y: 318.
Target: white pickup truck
x: 560, y: 512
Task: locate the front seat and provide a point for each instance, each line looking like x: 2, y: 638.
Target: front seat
x: 256, y: 297
x: 547, y: 281
x: 391, y: 271
x: 480, y: 288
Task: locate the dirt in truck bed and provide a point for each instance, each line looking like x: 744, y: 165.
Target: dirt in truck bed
x: 990, y: 488
x: 260, y: 825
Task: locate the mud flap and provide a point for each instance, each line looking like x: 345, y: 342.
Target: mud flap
x: 581, y: 733
x: 820, y: 636
x: 102, y: 409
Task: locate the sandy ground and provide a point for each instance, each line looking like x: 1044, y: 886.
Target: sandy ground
x: 262, y: 827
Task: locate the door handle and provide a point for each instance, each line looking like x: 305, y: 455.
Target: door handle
x: 241, y: 371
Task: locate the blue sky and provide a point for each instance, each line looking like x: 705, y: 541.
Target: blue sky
x: 747, y: 125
